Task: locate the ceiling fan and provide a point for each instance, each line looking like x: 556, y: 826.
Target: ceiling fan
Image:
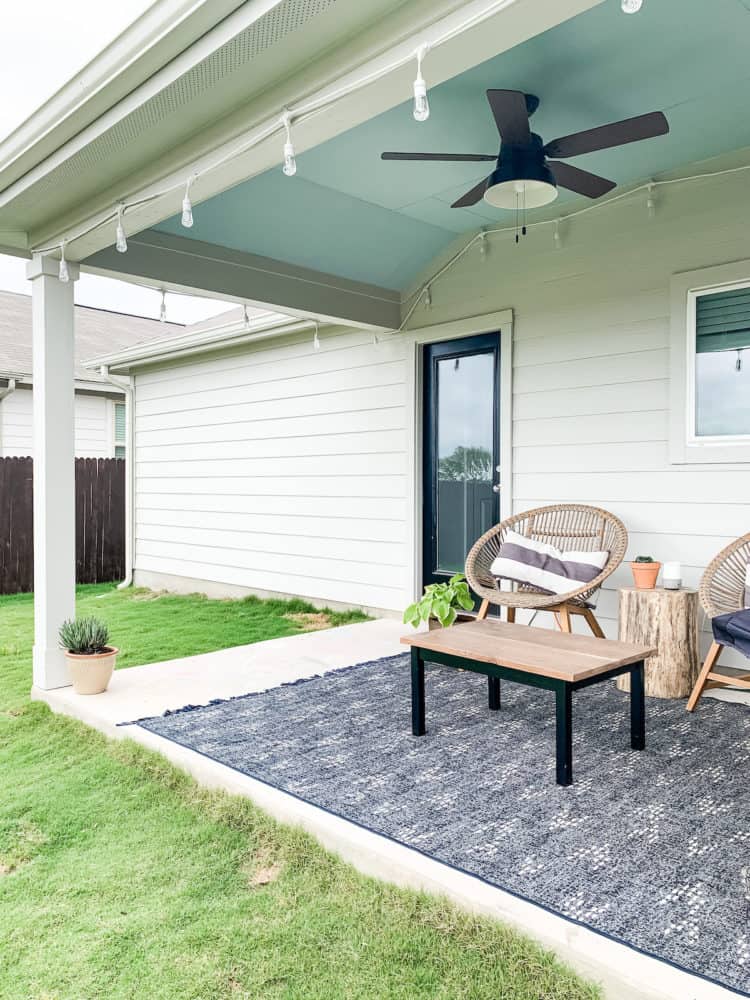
x: 527, y: 172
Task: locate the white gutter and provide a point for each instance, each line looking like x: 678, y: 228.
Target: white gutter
x: 183, y: 345
x: 127, y: 386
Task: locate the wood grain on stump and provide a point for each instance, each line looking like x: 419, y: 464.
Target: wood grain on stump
x: 667, y: 619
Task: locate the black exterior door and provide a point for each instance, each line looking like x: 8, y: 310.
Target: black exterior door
x: 461, y: 450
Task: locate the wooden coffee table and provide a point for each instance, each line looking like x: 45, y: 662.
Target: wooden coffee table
x: 557, y: 661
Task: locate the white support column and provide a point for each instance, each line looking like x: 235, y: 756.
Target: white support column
x: 54, y: 465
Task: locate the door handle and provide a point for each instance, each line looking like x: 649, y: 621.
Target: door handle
x: 496, y: 488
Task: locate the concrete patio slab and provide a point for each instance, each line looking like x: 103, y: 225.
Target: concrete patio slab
x: 624, y: 973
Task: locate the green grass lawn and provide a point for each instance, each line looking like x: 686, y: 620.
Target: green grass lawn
x: 121, y: 878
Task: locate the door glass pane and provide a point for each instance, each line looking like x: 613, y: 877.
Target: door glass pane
x: 465, y: 473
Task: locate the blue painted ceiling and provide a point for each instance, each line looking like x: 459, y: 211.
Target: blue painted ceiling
x: 348, y: 213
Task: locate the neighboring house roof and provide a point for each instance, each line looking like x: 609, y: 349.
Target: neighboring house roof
x: 96, y: 331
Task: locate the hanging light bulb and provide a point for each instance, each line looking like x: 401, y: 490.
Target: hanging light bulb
x: 421, y: 104
x: 651, y: 202
x: 428, y: 297
x: 557, y: 235
x: 375, y: 340
x: 163, y: 307
x: 631, y: 6
x: 290, y: 163
x: 316, y: 339
x: 738, y: 362
x: 245, y: 318
x: 121, y: 242
x: 483, y: 244
x: 187, y: 205
x: 63, y: 274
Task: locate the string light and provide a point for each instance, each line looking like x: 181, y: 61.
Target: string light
x: 483, y: 244
x: 651, y: 202
x: 245, y: 317
x: 375, y: 340
x: 316, y: 339
x: 163, y: 307
x: 738, y: 362
x: 557, y: 235
x: 631, y: 6
x: 121, y: 243
x: 290, y: 163
x: 428, y: 297
x: 63, y: 274
x: 421, y: 104
x: 187, y: 205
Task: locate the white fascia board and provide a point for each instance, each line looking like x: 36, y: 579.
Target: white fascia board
x: 24, y: 380
x: 223, y: 335
x: 160, y: 34
x: 395, y: 40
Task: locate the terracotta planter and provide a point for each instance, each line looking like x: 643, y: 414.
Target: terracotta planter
x: 461, y: 617
x: 645, y: 574
x: 92, y: 672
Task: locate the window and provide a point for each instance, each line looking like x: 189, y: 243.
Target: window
x: 722, y: 363
x: 119, y: 439
x: 710, y: 365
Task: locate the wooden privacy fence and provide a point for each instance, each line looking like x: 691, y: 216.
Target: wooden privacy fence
x: 100, y: 522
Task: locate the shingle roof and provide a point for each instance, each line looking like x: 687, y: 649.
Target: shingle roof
x: 98, y: 332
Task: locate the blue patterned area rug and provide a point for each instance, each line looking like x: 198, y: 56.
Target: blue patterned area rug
x: 646, y: 848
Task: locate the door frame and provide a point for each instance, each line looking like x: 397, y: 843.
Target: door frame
x: 470, y: 326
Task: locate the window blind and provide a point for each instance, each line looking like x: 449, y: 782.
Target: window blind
x: 119, y: 421
x: 722, y: 321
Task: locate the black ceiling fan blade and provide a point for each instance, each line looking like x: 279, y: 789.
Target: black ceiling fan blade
x: 580, y: 181
x: 442, y: 157
x: 606, y: 136
x: 472, y: 197
x: 511, y: 116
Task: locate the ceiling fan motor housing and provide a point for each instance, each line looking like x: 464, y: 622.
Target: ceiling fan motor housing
x: 522, y: 178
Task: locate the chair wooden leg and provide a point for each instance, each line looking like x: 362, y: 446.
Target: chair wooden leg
x: 592, y: 623
x: 484, y: 607
x: 564, y: 619
x: 713, y: 655
x: 510, y: 614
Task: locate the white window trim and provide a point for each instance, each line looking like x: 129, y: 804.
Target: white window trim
x: 685, y: 447
x: 114, y: 444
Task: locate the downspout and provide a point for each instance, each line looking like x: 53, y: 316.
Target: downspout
x: 11, y: 387
x: 126, y: 385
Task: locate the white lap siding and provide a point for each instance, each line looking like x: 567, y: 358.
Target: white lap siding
x: 278, y: 468
x: 93, y: 425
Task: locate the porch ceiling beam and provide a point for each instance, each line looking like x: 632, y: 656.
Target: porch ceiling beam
x: 162, y: 259
x: 393, y: 38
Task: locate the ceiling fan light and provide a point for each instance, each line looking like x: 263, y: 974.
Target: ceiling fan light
x: 521, y: 193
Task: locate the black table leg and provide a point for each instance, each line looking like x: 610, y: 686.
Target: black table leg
x: 417, y: 693
x: 637, y: 707
x: 493, y: 692
x: 564, y: 716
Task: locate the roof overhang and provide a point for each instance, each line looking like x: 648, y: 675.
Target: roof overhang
x: 167, y: 103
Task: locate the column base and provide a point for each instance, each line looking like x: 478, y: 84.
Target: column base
x: 50, y: 669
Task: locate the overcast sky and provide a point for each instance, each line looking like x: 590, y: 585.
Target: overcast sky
x: 44, y: 43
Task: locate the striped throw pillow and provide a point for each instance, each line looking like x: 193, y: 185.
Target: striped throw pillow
x: 544, y: 566
x: 747, y: 586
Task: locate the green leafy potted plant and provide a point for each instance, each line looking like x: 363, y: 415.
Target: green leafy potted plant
x: 90, y: 658
x: 645, y: 571
x: 441, y: 604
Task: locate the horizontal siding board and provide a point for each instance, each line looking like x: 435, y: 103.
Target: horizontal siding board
x: 343, y: 486
x: 301, y: 467
x: 613, y: 370
x: 348, y: 591
x: 339, y: 506
x: 360, y: 443
x: 281, y: 525
x: 608, y: 428
x: 721, y: 487
x: 630, y: 338
x: 342, y: 401
x: 302, y: 388
x: 642, y: 456
x: 593, y: 401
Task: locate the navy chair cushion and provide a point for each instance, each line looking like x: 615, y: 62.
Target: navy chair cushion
x: 733, y: 630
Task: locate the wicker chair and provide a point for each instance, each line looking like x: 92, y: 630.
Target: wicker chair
x: 569, y: 526
x: 721, y: 592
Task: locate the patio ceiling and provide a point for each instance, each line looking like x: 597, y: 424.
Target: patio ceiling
x: 349, y: 214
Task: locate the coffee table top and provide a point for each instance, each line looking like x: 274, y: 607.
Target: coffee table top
x: 535, y: 650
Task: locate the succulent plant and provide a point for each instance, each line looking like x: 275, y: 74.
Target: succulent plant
x: 643, y: 559
x: 85, y: 636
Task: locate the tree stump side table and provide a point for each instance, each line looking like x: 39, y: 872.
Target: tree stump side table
x: 667, y: 619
